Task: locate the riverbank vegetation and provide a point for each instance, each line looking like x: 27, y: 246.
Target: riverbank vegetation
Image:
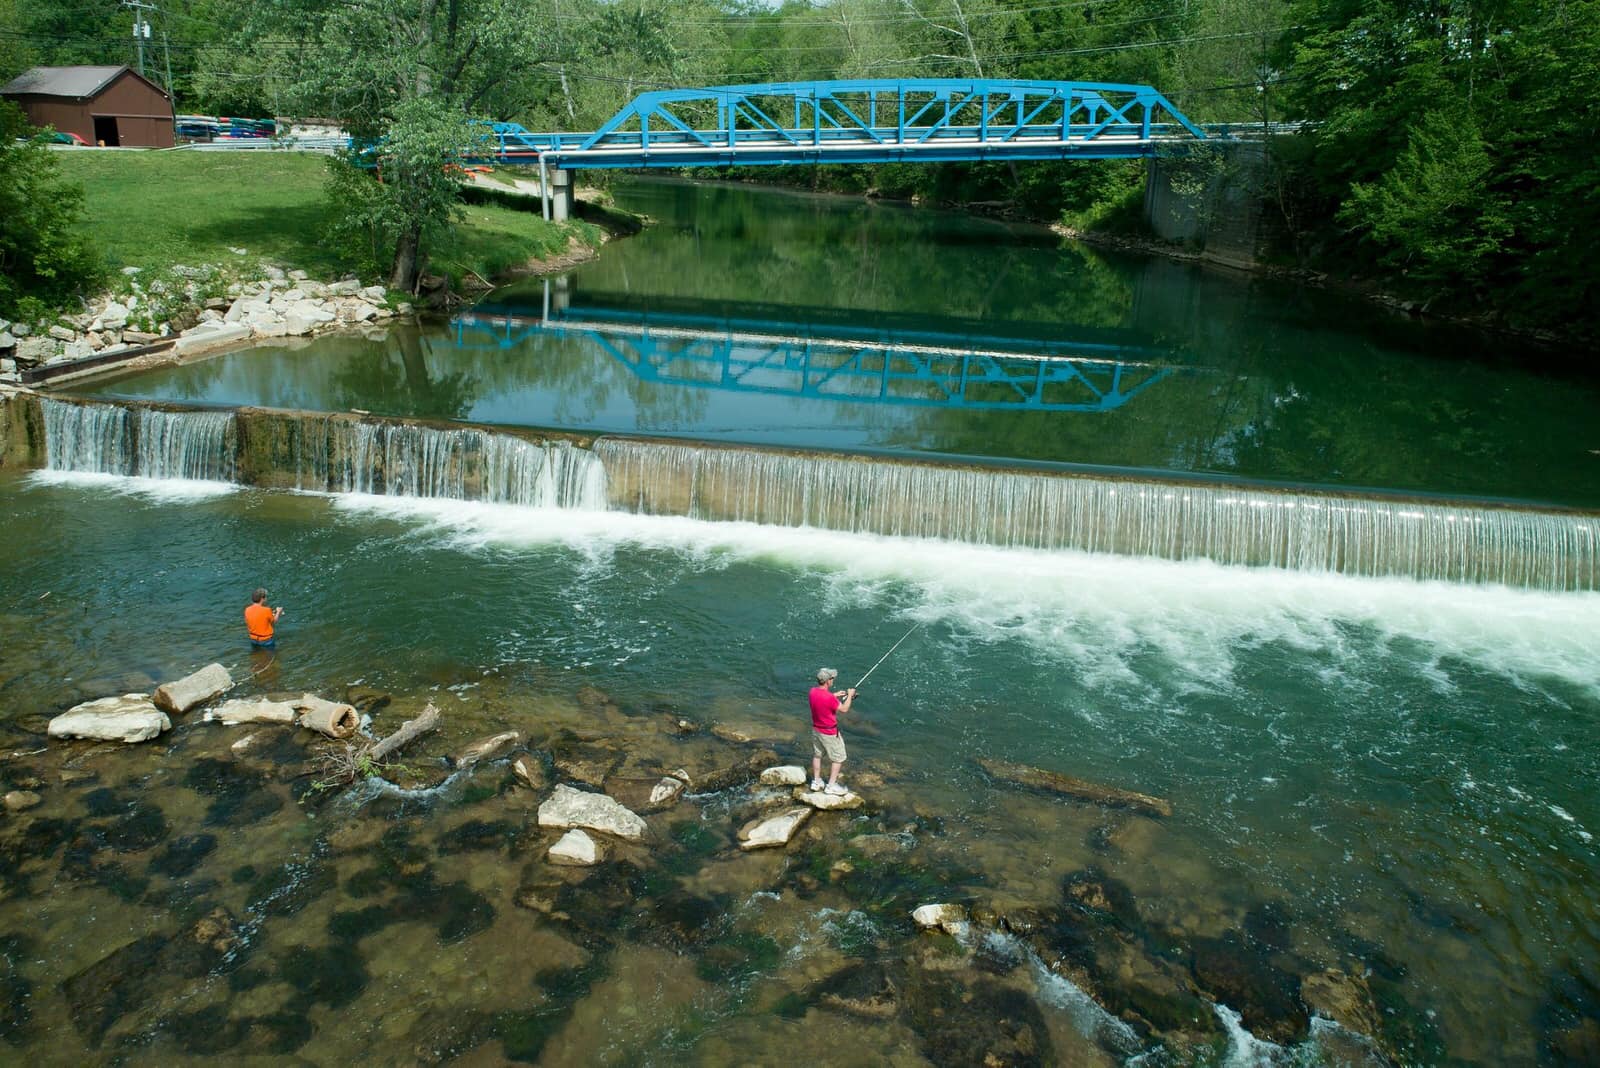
x: 160, y: 210
x: 1433, y: 147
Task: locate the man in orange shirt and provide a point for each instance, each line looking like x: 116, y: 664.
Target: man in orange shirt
x: 258, y: 620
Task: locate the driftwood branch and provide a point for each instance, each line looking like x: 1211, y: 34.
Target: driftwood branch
x: 410, y: 730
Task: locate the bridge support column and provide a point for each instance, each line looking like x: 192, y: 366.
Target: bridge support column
x: 563, y: 203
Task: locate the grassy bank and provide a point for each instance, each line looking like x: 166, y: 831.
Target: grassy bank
x: 154, y: 210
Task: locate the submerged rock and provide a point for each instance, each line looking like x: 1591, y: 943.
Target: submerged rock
x: 738, y: 773
x: 568, y: 807
x: 773, y: 830
x: 1079, y: 789
x: 786, y: 775
x: 1343, y: 998
x: 986, y: 1023
x: 645, y: 794
x: 210, y: 681
x: 586, y: 763
x: 21, y: 800
x: 576, y: 848
x: 251, y: 710
x: 132, y: 717
x: 951, y: 919
x: 486, y: 748
x: 530, y: 771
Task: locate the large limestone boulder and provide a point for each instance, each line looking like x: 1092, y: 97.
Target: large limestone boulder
x: 787, y: 775
x: 129, y: 718
x: 596, y: 812
x: 772, y: 831
x: 210, y: 681
x: 577, y: 849
x: 212, y: 339
x: 252, y: 710
x: 951, y: 919
x: 828, y: 802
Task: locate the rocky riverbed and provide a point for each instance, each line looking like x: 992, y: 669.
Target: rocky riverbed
x: 596, y: 881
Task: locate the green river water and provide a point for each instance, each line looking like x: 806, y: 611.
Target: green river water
x: 1381, y: 789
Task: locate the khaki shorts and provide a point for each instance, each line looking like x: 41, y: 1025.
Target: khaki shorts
x: 827, y: 745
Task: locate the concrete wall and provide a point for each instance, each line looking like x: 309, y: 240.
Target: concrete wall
x: 1210, y: 201
x: 21, y: 432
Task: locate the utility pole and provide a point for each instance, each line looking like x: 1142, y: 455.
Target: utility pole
x: 141, y: 27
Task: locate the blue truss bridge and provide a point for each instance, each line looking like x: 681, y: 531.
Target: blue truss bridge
x: 783, y: 351
x: 871, y: 121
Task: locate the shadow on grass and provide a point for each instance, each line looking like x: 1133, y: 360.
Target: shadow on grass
x: 298, y: 235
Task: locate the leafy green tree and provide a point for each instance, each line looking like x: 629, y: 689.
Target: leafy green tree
x: 1433, y: 211
x: 44, y: 258
x: 415, y: 196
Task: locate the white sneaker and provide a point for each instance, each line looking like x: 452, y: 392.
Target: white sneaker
x: 816, y: 784
x: 837, y: 789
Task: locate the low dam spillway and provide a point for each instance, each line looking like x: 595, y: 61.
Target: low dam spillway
x: 1231, y: 525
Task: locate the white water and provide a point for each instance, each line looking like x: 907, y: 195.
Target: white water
x: 1089, y: 612
x: 143, y: 442
x: 1231, y: 525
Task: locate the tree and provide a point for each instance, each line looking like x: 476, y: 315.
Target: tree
x: 43, y: 256
x: 1433, y: 211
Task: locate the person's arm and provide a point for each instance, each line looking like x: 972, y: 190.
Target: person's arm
x: 277, y: 613
x: 849, y: 695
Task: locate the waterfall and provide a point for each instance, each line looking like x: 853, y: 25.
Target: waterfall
x: 1230, y: 525
x: 1304, y: 531
x: 457, y: 464
x: 111, y: 440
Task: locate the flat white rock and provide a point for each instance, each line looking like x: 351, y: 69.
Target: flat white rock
x: 133, y: 717
x: 576, y: 848
x: 252, y: 710
x: 597, y: 812
x: 951, y: 919
x: 773, y: 830
x: 789, y: 775
x: 210, y: 681
x: 826, y: 801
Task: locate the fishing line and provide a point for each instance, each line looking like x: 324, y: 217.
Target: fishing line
x: 914, y: 628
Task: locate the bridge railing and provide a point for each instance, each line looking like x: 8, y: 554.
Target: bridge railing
x: 902, y: 116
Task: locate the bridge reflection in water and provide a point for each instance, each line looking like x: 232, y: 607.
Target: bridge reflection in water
x: 782, y: 351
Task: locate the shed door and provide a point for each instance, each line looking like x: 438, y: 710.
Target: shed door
x: 105, y: 130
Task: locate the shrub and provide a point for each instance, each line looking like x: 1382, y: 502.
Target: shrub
x: 43, y: 256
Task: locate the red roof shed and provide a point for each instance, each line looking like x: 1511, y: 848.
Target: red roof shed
x: 102, y: 105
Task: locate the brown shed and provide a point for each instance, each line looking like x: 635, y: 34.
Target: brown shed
x: 110, y: 105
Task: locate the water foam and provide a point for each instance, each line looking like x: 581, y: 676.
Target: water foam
x: 1095, y: 612
x: 156, y: 489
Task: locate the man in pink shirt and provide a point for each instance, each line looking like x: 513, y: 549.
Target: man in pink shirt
x: 825, y: 740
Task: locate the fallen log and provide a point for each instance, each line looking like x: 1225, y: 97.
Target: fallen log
x: 409, y: 731
x: 327, y: 717
x: 1056, y: 783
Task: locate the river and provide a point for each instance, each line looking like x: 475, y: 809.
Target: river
x: 1379, y: 782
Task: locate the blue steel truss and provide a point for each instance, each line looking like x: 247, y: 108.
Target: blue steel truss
x: 910, y: 368
x: 871, y: 121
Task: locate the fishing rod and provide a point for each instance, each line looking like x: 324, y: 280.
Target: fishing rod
x: 914, y: 628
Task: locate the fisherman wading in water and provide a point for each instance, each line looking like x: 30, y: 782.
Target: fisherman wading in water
x: 825, y: 740
x: 260, y: 619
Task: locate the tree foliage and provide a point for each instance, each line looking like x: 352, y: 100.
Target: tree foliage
x: 43, y: 255
x: 1445, y: 145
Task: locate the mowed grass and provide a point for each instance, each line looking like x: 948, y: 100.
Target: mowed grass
x: 154, y: 210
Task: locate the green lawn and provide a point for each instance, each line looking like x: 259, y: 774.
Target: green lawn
x: 157, y: 209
